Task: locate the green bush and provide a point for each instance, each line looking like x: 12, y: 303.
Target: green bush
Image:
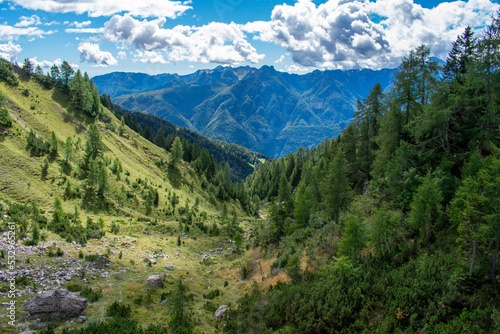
x: 212, y: 294
x: 91, y: 295
x: 74, y: 288
x: 118, y: 310
x: 5, y: 119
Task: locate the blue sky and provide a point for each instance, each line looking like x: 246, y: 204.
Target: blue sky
x: 158, y: 36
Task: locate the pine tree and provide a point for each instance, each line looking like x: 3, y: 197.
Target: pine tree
x: 68, y: 150
x: 28, y: 67
x: 53, y: 144
x: 177, y: 152
x: 337, y: 185
x: 355, y: 237
x: 45, y: 168
x: 181, y: 318
x: 121, y: 129
x: 55, y: 73
x: 38, y: 71
x: 426, y: 207
x: 66, y: 72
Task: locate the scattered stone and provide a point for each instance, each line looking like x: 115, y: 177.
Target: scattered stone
x: 59, y: 303
x: 221, y: 312
x: 145, y: 260
x: 82, y: 319
x: 169, y: 267
x: 164, y: 302
x: 126, y: 244
x: 145, y: 232
x: 155, y: 281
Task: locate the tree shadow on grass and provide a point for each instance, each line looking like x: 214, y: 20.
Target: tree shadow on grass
x: 174, y: 176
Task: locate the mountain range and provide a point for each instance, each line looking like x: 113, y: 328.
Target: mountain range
x: 265, y: 110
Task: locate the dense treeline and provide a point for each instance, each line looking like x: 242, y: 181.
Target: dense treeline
x: 398, y: 219
x: 242, y: 162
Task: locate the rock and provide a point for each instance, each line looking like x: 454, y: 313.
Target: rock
x: 221, y: 312
x: 82, y: 319
x: 153, y: 261
x: 164, y: 302
x: 276, y: 272
x: 145, y: 232
x: 155, y: 281
x: 59, y: 303
x: 126, y: 244
x: 169, y: 267
x: 145, y: 260
x: 102, y: 262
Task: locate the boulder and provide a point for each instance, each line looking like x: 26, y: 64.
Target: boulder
x: 221, y: 312
x: 101, y: 262
x: 59, y: 303
x: 155, y: 281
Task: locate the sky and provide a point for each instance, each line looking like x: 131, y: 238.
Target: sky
x: 167, y: 36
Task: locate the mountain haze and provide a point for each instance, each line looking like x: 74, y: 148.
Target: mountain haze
x: 265, y: 110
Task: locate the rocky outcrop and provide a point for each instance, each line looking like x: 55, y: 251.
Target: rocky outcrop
x: 155, y: 281
x: 221, y: 312
x: 59, y: 303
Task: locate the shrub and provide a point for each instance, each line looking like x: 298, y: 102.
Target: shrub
x: 212, y: 294
x: 91, y: 295
x: 5, y: 119
x: 74, y: 288
x: 118, y: 310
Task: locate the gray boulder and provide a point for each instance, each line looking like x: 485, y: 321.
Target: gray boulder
x: 59, y: 303
x: 221, y: 312
x: 155, y: 281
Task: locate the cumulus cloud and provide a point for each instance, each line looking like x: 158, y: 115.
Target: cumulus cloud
x: 96, y: 8
x: 215, y: 42
x: 9, y: 33
x: 408, y: 25
x: 28, y: 21
x: 10, y: 51
x: 149, y: 57
x: 345, y: 33
x: 122, y: 55
x: 91, y: 53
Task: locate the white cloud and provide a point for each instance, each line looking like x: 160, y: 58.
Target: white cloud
x: 149, y: 57
x: 91, y: 53
x: 81, y: 24
x: 28, y: 21
x: 10, y: 51
x: 212, y: 43
x: 122, y: 55
x: 9, y: 33
x: 408, y: 25
x: 96, y: 8
x: 85, y: 30
x: 344, y: 33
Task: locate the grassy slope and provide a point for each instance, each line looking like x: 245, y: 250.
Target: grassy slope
x: 20, y: 181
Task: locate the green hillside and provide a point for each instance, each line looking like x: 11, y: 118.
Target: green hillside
x: 78, y: 183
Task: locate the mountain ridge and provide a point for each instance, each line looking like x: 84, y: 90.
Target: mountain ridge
x: 251, y: 107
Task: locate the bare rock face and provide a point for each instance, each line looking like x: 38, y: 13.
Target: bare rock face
x: 59, y: 303
x: 155, y: 281
x: 221, y: 312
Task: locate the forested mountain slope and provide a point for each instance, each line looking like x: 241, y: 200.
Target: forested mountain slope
x: 261, y: 109
x: 394, y: 225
